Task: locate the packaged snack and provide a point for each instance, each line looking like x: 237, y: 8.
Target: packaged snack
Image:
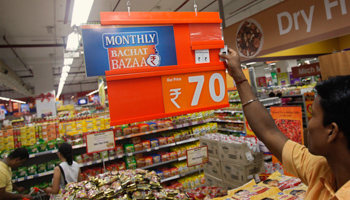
x: 160, y: 124
x: 96, y: 156
x: 136, y: 140
x: 118, y: 132
x: 104, y: 154
x: 130, y: 162
x: 172, y: 155
x: 126, y: 130
x: 135, y: 129
x: 281, y: 181
x: 14, y: 174
x: 129, y: 148
x: 51, y: 145
x: 171, y: 139
x: 148, y: 160
x: 42, y: 146
x: 177, y: 136
x: 166, y: 172
x: 22, y: 172
x: 168, y: 123
x: 33, y: 149
x: 112, y: 152
x: 299, y: 191
x: 162, y: 141
x: 144, y: 127
x: 174, y: 171
x: 31, y: 170
x: 79, y: 159
x: 86, y: 158
x: 164, y: 156
x: 119, y: 150
x: 156, y: 158
x: 59, y: 141
x: 146, y: 144
x: 138, y: 147
x: 51, y: 165
x: 140, y: 161
x: 152, y: 126
x: 248, y: 190
x: 121, y: 166
x: 160, y: 174
x: 154, y: 142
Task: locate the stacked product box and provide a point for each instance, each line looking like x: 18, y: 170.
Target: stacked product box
x: 233, y: 161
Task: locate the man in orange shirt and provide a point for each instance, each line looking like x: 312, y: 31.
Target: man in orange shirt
x: 325, y: 166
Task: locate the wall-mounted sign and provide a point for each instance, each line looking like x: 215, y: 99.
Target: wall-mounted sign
x: 197, y: 156
x: 157, y: 64
x: 306, y: 70
x: 288, y: 24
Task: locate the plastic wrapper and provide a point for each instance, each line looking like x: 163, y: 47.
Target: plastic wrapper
x: 281, y: 181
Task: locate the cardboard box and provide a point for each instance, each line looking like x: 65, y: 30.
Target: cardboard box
x: 240, y: 174
x: 213, y: 167
x: 230, y: 185
x: 238, y: 153
x: 212, y: 146
x: 213, y: 181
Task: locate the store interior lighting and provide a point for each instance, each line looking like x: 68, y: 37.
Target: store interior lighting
x: 81, y: 11
x: 73, y: 41
x: 12, y: 100
x: 64, y: 75
x: 251, y: 63
x: 68, y: 61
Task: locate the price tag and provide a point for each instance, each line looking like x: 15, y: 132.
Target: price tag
x: 197, y: 156
x: 97, y: 142
x: 20, y: 179
x: 179, y: 126
x: 194, y: 90
x: 130, y: 154
x: 30, y: 177
x: 156, y: 148
x: 194, y: 123
x: 31, y: 155
x: 148, y: 150
x: 202, y: 56
x: 89, y: 163
x: 185, y: 124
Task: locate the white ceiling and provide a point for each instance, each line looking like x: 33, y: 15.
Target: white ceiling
x: 43, y: 22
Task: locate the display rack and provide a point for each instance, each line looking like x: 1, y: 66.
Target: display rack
x: 43, y: 155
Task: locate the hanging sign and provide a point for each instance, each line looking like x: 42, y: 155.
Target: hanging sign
x: 97, y: 142
x: 197, y: 156
x: 157, y: 64
x: 306, y: 70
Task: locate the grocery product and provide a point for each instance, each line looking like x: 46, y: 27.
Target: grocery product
x: 281, y: 181
x: 206, y: 192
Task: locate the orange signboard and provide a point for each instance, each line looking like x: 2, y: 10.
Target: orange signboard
x: 289, y: 120
x: 151, y: 63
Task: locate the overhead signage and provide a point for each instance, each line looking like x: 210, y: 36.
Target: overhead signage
x: 117, y: 48
x: 157, y: 64
x: 288, y: 24
x: 98, y: 142
x: 197, y: 156
x: 306, y: 70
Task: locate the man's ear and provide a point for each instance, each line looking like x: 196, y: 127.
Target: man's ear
x: 333, y: 132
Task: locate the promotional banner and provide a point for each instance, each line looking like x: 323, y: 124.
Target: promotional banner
x: 116, y: 48
x: 2, y: 114
x: 290, y: 23
x: 25, y: 109
x: 289, y: 120
x: 309, y: 100
x: 261, y: 81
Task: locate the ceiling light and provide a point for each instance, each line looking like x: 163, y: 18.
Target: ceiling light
x: 272, y: 64
x: 93, y: 92
x: 66, y: 68
x: 17, y: 101
x: 81, y: 11
x: 251, y: 63
x: 73, y: 41
x: 106, y: 87
x: 68, y: 61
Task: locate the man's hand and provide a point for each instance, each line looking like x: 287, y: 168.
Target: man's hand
x: 233, y: 61
x: 20, y: 189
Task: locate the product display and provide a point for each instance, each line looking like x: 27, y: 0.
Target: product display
x: 206, y: 193
x: 129, y: 184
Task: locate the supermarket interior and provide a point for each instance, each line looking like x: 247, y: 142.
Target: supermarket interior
x: 138, y: 91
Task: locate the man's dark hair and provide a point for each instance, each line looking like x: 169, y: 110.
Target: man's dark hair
x: 272, y: 94
x: 335, y: 99
x: 21, y: 153
x: 294, y: 192
x: 279, y: 95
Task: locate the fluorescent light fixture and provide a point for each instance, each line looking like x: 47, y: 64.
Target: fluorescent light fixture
x: 13, y: 100
x: 73, y: 41
x: 272, y: 64
x: 106, y: 87
x: 93, y: 92
x: 251, y: 63
x: 68, y: 61
x: 66, y: 68
x: 81, y: 11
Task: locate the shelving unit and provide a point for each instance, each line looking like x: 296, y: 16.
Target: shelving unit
x: 80, y: 148
x: 181, y: 175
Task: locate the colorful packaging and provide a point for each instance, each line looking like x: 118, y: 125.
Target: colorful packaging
x: 31, y: 170
x: 281, y: 181
x: 152, y: 126
x: 86, y: 158
x: 129, y: 148
x: 104, y: 155
x: 162, y: 141
x: 156, y: 158
x: 121, y: 166
x: 96, y: 156
x: 172, y: 155
x: 135, y: 129
x: 146, y: 144
x: 154, y: 142
x: 140, y: 160
x: 126, y: 130
x: 117, y: 132
x: 248, y: 190
x: 148, y: 160
x: 299, y: 191
x: 143, y: 127
x: 174, y: 171
x: 79, y: 159
x: 51, y: 165
x: 22, y: 172
x: 119, y: 150
x: 164, y: 156
x: 138, y: 147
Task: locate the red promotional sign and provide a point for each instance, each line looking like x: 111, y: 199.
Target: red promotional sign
x: 154, y: 67
x: 306, y: 70
x: 261, y: 81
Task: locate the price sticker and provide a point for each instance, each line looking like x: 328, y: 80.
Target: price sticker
x: 89, y: 163
x: 156, y: 148
x: 148, y: 150
x: 30, y: 177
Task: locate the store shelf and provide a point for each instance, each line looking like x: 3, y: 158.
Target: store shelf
x: 230, y: 130
x: 170, y: 178
x: 180, y: 175
x: 187, y: 141
x: 161, y: 163
x: 229, y: 121
x: 54, y: 151
x: 164, y: 129
x: 32, y: 176
x: 291, y: 96
x: 182, y: 158
x: 234, y: 101
x: 271, y: 104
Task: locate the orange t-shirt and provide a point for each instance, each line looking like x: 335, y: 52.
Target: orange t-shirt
x: 314, y: 171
